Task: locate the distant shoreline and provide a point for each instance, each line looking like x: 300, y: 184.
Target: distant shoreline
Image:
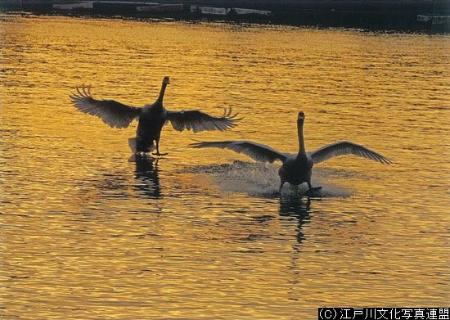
x: 417, y: 16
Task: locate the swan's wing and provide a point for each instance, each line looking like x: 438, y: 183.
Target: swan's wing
x: 199, y: 121
x: 113, y: 113
x: 345, y: 147
x: 256, y: 151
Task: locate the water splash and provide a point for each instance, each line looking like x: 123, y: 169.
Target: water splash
x: 261, y: 179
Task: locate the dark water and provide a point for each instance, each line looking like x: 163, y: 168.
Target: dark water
x: 86, y: 234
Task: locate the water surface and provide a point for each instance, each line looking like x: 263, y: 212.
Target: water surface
x: 86, y: 234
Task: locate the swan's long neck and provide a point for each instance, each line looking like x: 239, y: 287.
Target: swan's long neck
x: 301, y: 140
x: 161, y: 93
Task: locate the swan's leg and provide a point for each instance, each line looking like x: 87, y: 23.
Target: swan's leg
x: 157, y: 146
x: 281, y: 185
x: 157, y: 149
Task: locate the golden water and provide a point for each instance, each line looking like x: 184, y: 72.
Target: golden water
x: 86, y: 234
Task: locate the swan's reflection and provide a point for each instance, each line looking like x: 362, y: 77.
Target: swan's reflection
x: 294, y: 206
x: 147, y: 176
x: 297, y: 208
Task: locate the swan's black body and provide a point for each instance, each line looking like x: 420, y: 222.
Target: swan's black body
x: 151, y: 118
x: 151, y: 122
x: 149, y: 129
x: 296, y: 171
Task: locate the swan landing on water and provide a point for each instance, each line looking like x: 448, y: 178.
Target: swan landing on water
x: 296, y: 169
x: 152, y: 117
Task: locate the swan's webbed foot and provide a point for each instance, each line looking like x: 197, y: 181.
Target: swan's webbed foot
x: 159, y: 154
x: 312, y: 191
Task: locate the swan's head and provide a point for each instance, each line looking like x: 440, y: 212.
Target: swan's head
x: 166, y: 80
x: 301, y: 117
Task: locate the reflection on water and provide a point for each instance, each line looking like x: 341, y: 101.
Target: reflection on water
x: 204, y: 234
x: 147, y: 178
x: 298, y: 209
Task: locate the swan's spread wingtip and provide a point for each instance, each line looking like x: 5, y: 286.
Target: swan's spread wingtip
x: 83, y: 91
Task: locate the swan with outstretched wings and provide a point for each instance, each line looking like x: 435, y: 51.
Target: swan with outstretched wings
x: 151, y: 118
x: 296, y: 169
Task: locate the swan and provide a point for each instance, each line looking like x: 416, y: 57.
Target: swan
x: 151, y: 117
x: 295, y: 169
